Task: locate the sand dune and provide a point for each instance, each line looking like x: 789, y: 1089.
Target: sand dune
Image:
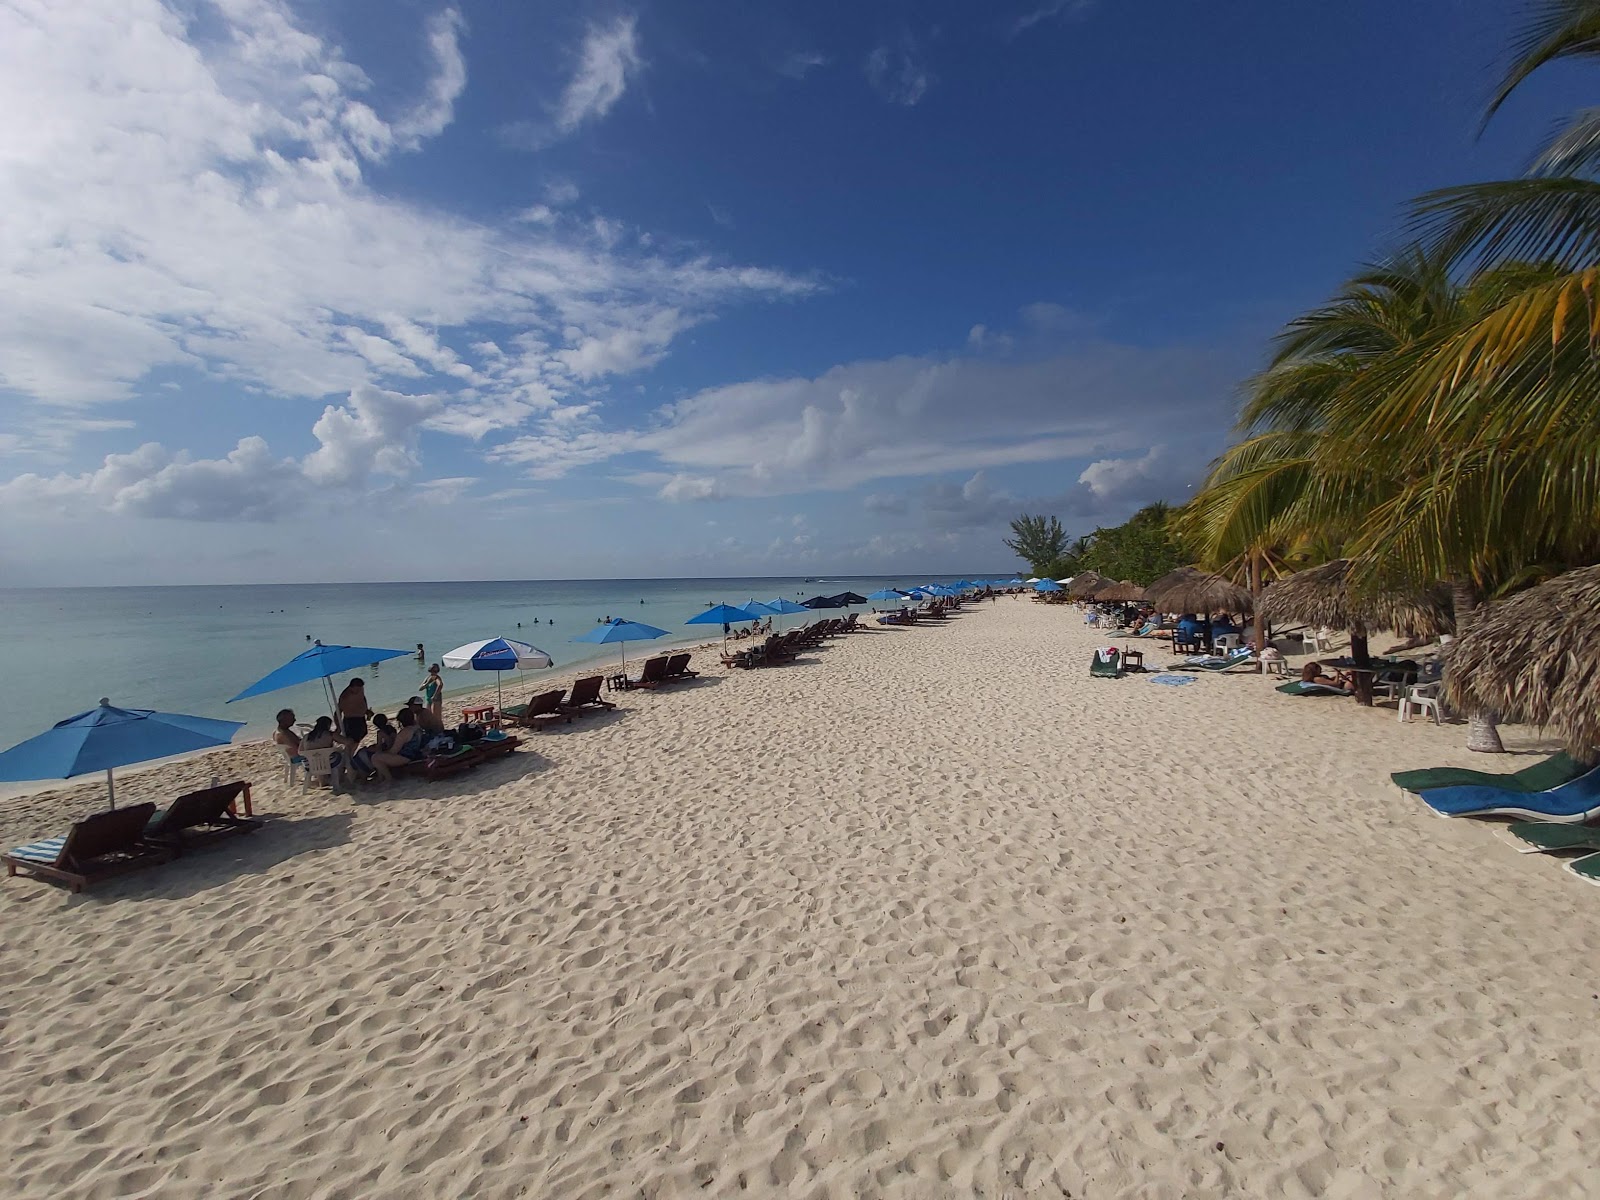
x: 930, y: 913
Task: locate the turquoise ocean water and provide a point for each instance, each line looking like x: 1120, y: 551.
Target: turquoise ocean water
x: 187, y: 649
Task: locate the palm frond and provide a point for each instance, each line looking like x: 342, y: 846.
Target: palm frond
x: 1559, y: 29
x: 1550, y: 219
x: 1575, y: 149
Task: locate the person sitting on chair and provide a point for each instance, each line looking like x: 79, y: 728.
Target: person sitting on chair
x: 321, y: 737
x: 285, y: 735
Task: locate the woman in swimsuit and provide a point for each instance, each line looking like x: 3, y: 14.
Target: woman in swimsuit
x: 433, y: 693
x: 406, y: 747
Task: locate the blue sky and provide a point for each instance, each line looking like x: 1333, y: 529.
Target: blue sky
x: 389, y: 289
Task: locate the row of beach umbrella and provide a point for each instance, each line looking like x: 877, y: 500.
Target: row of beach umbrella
x: 107, y: 737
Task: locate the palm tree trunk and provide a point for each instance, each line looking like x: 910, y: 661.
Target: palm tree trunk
x: 1482, y: 731
x: 1255, y: 610
x: 1362, y: 657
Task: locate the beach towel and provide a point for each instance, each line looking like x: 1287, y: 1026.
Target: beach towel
x: 1172, y: 680
x: 1570, y: 804
x: 1586, y: 868
x: 1539, y: 837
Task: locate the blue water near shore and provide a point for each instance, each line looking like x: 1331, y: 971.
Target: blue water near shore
x: 187, y: 649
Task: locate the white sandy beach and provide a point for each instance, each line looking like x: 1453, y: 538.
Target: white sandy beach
x: 930, y: 913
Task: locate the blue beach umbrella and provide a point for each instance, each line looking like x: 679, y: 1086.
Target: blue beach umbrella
x: 498, y: 655
x: 319, y: 662
x: 886, y: 594
x: 107, y: 737
x: 622, y: 632
x: 756, y: 606
x: 783, y: 607
x: 1047, y: 585
x: 724, y: 615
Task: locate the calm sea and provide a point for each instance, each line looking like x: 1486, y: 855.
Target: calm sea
x: 187, y: 649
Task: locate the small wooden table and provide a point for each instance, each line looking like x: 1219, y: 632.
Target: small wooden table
x: 480, y: 712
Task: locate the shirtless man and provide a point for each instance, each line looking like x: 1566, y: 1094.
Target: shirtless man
x: 425, y: 716
x: 353, y: 713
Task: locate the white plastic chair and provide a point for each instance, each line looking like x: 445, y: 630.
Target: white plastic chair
x: 1423, y: 697
x: 293, y: 764
x: 1317, y: 640
x: 328, y: 761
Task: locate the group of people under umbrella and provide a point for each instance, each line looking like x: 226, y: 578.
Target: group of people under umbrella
x: 107, y: 737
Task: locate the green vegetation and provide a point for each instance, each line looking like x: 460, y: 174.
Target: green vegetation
x: 1437, y: 420
x: 1038, y: 541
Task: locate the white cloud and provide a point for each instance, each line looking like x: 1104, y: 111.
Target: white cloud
x: 1144, y: 476
x: 174, y: 199
x: 434, y: 112
x: 801, y: 63
x: 608, y: 59
x: 1051, y: 10
x: 691, y: 487
x: 374, y: 433
x: 898, y: 73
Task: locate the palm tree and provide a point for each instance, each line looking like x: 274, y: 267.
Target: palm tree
x: 1291, y: 479
x: 1439, y: 416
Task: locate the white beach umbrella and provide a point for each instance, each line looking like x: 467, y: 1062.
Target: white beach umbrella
x: 497, y: 655
x: 1035, y: 579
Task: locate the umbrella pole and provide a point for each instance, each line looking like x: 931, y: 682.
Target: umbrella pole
x: 111, y: 788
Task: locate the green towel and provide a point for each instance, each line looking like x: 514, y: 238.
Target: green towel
x: 1541, y: 777
x: 1549, y: 835
x: 1297, y: 688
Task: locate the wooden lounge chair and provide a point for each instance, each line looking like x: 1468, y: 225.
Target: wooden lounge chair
x: 546, y: 706
x: 96, y: 848
x: 202, y: 816
x: 585, y: 697
x: 493, y: 745
x: 651, y: 675
x: 541, y: 709
x: 678, y: 668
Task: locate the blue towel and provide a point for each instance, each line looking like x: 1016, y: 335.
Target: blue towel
x: 45, y: 851
x: 1172, y: 680
x: 1575, y: 800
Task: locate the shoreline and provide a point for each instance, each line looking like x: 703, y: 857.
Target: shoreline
x: 928, y: 912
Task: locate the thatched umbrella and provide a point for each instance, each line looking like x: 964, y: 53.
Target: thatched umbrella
x: 1120, y: 593
x: 1084, y: 585
x: 1536, y: 658
x: 1322, y: 596
x: 1189, y: 589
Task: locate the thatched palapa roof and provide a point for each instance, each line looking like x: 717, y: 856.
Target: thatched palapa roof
x: 1084, y: 585
x: 1189, y: 589
x: 1536, y: 658
x: 1123, y: 592
x: 1322, y: 596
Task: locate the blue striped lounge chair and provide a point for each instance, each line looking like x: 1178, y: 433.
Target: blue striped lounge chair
x: 96, y: 848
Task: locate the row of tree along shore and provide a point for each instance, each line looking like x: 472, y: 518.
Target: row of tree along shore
x: 1437, y: 421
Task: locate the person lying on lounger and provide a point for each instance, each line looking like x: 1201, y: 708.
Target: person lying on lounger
x: 1312, y: 673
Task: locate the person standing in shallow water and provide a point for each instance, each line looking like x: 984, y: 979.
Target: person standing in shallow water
x: 433, y: 693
